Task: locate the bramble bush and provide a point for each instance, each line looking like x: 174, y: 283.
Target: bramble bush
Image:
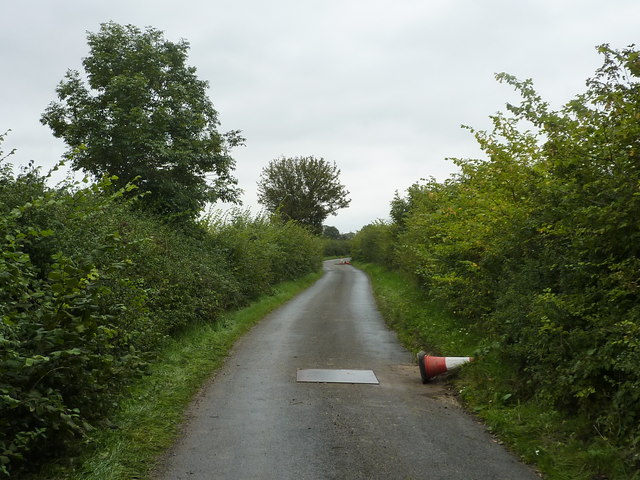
x: 63, y: 352
x: 263, y: 251
x: 538, y: 247
x: 89, y: 288
x: 374, y: 243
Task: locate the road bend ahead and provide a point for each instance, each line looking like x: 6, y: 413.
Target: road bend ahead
x: 254, y: 421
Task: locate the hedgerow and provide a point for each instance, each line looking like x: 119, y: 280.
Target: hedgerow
x: 537, y: 247
x: 90, y: 286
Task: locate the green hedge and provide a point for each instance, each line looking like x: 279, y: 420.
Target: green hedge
x: 90, y: 287
x: 538, y: 247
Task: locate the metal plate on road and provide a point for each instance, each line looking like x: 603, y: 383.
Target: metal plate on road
x: 316, y: 375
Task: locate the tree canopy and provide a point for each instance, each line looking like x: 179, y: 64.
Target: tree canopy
x: 141, y: 112
x: 304, y: 189
x: 331, y: 232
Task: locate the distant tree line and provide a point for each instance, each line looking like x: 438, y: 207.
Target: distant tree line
x: 336, y: 244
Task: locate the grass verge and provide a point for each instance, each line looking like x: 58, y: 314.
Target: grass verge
x: 554, y: 442
x: 147, y: 420
x: 420, y: 324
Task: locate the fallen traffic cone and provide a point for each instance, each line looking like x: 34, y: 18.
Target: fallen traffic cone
x: 433, y: 366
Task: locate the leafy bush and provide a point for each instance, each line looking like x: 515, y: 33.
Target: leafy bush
x: 374, y: 243
x: 538, y: 246
x: 337, y: 247
x: 63, y: 353
x: 90, y: 287
x: 263, y: 251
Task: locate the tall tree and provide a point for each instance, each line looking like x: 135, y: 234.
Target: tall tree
x: 142, y: 112
x: 331, y: 232
x: 304, y: 189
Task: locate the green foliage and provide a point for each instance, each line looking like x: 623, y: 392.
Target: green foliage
x: 304, y: 189
x: 539, y: 433
x: 90, y: 289
x: 374, y: 243
x: 63, y: 354
x: 330, y: 232
x: 263, y: 252
x: 336, y: 244
x: 421, y: 323
x: 538, y: 246
x: 143, y: 114
x: 147, y: 420
x: 337, y: 248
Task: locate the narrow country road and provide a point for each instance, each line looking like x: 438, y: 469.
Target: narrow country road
x: 255, y: 421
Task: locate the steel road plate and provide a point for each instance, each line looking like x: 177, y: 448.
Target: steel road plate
x: 317, y: 375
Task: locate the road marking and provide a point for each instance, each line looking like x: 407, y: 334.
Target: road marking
x: 317, y: 375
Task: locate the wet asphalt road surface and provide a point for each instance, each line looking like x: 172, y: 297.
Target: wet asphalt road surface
x: 254, y: 421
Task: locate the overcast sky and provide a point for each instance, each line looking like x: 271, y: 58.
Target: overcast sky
x: 381, y: 87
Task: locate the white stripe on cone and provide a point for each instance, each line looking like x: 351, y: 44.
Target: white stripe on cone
x: 453, y: 362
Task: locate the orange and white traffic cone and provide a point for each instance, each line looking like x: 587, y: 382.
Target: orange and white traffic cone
x: 430, y: 366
